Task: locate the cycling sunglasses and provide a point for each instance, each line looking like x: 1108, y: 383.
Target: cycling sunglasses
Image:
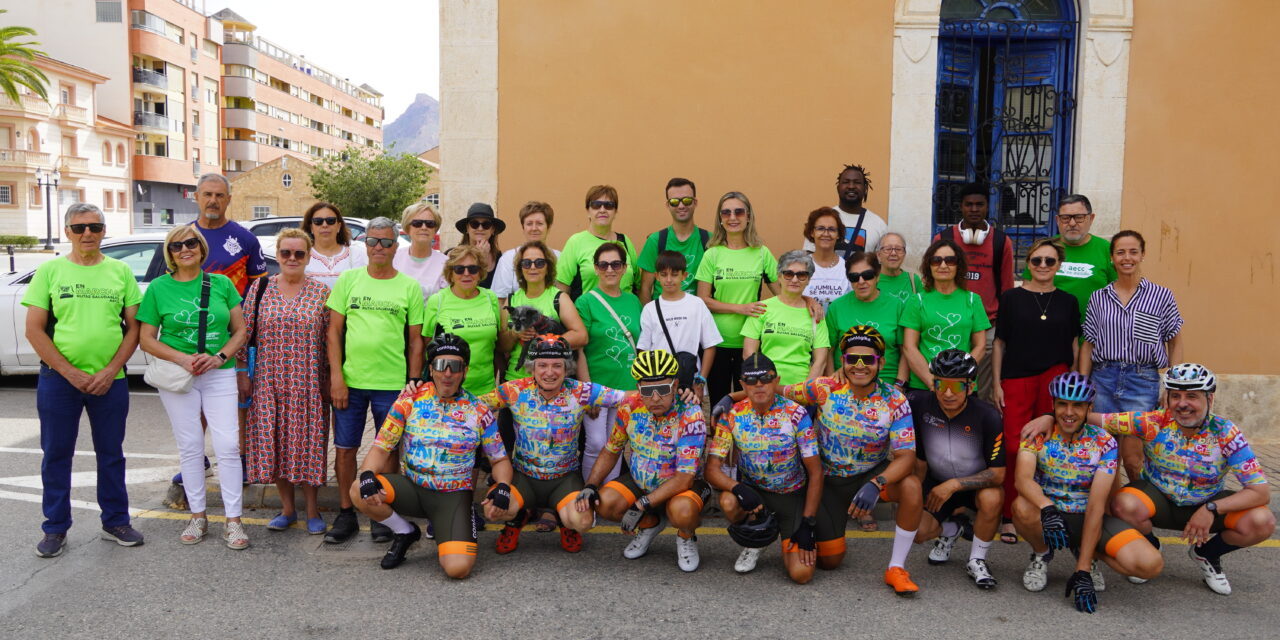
x: 762, y: 378
x: 189, y: 243
x: 656, y: 390
x: 957, y: 387
x: 533, y: 263
x: 862, y: 359
x: 94, y: 227
x: 320, y: 222
x: 385, y: 242
x: 452, y: 366
x: 675, y: 202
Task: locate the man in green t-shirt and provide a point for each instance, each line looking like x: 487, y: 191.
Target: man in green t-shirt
x: 683, y: 236
x: 81, y: 321
x: 1087, y: 265
x: 375, y: 347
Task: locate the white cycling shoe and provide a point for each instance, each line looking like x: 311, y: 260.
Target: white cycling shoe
x: 746, y: 562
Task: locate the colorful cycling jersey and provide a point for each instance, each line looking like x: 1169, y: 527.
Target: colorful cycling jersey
x: 1188, y: 470
x: 959, y: 446
x: 234, y: 252
x: 1065, y: 470
x: 855, y: 434
x: 661, y: 446
x: 546, y: 444
x: 770, y: 446
x: 440, y: 437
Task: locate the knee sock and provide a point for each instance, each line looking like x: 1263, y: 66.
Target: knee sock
x: 902, y: 541
x: 398, y: 524
x: 950, y: 528
x: 1215, y: 548
x: 979, y: 549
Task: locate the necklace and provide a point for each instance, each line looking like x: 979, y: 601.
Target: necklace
x: 1044, y: 311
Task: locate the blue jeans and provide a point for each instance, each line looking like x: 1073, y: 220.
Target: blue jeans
x: 348, y: 426
x: 1125, y: 387
x: 60, y: 405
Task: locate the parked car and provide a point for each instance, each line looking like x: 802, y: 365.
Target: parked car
x: 269, y: 227
x: 143, y: 255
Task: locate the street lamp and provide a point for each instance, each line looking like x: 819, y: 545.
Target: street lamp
x: 49, y: 183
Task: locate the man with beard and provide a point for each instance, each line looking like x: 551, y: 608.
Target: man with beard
x: 863, y: 228
x: 1087, y: 264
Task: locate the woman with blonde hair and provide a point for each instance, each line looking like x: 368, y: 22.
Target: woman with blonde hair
x: 422, y: 262
x: 469, y: 311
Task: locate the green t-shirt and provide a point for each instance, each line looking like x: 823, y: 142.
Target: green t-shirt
x: 474, y: 320
x: 174, y: 307
x: 735, y: 276
x: 609, y: 353
x: 546, y: 303
x: 884, y: 313
x: 1085, y: 269
x: 899, y: 286
x: 578, y: 259
x: 691, y: 249
x: 87, y: 303
x: 945, y: 321
x: 788, y: 336
x: 377, y: 314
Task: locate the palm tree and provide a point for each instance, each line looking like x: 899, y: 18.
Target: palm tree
x: 15, y: 63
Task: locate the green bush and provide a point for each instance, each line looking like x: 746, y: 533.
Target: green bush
x: 18, y: 241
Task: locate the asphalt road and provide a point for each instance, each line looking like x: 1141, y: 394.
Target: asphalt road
x: 288, y: 584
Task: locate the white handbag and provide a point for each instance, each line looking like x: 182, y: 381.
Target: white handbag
x: 170, y: 376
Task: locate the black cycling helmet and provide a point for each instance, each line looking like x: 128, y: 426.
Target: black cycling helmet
x: 755, y: 531
x: 448, y: 344
x: 862, y: 336
x: 954, y: 363
x: 549, y: 346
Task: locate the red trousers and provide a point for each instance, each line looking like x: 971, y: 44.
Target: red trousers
x: 1024, y: 399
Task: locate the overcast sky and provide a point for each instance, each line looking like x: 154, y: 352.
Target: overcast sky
x: 391, y: 45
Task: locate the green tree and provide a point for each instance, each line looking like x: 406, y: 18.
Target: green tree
x: 16, y: 68
x: 366, y: 186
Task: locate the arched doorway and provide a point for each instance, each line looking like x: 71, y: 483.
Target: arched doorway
x: 1004, y: 110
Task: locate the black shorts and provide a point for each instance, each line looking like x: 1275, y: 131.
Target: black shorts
x: 1167, y: 515
x: 958, y: 500
x: 448, y: 511
x: 626, y: 487
x: 552, y: 493
x: 788, y: 508
x: 833, y: 513
x: 1115, y: 534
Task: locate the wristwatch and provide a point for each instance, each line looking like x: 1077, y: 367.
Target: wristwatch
x: 880, y: 481
x: 1212, y: 507
x: 644, y: 503
x: 221, y: 356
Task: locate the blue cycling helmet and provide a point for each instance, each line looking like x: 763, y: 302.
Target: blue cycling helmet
x: 1071, y: 386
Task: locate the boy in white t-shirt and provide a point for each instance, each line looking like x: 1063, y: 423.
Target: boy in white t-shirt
x: 688, y: 321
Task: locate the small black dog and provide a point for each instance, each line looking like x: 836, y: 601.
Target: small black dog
x: 525, y: 317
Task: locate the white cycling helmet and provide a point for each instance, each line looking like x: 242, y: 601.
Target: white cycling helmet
x: 1190, y: 376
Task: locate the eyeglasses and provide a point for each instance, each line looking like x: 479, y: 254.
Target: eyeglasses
x: 602, y: 204
x: 762, y: 378
x: 189, y: 243
x: 459, y: 269
x: 794, y: 275
x: 739, y: 212
x: 430, y: 224
x: 957, y: 387
x: 884, y: 249
x: 947, y: 260
x: 817, y: 230
x: 675, y: 202
x: 862, y: 359
x: 611, y: 265
x: 93, y: 227
x: 656, y: 390
x: 1046, y: 261
x: 868, y: 275
x: 385, y: 242
x: 452, y: 366
x: 533, y: 262
x: 1076, y: 218
x: 320, y: 222
x: 294, y: 254
x: 480, y: 224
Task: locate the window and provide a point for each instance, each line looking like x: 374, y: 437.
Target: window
x: 121, y: 203
x: 148, y: 218
x: 6, y: 194
x: 138, y: 255
x: 433, y: 199
x: 108, y: 200
x: 286, y: 180
x: 37, y: 196
x: 120, y: 159
x: 261, y: 211
x: 166, y: 216
x: 109, y: 11
x: 66, y: 94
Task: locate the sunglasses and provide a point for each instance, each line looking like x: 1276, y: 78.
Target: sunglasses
x: 459, y: 269
x: 430, y: 224
x: 656, y: 390
x: 384, y: 242
x: 947, y: 260
x: 533, y: 263
x: 452, y: 366
x: 611, y: 265
x: 862, y: 359
x: 189, y: 243
x: 602, y: 204
x: 794, y: 275
x: 868, y: 275
x: 94, y: 227
x: 675, y: 202
x: 292, y: 254
x: 760, y: 378
x: 739, y: 212
x: 320, y: 222
x: 954, y: 386
x: 1043, y: 260
x: 480, y: 224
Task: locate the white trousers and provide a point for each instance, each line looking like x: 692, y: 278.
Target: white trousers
x: 214, y: 394
x: 598, y: 430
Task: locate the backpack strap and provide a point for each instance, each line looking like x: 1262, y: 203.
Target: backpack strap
x: 204, y: 312
x: 706, y: 237
x: 662, y: 239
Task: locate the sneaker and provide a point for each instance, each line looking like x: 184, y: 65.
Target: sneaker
x: 430, y: 533
x: 942, y: 546
x: 123, y: 535
x: 400, y: 543
x: 900, y: 580
x: 196, y: 530
x: 281, y: 522
x: 570, y: 540
x: 746, y: 562
x: 1099, y: 581
x: 235, y: 537
x: 52, y: 545
x: 1136, y: 580
x: 316, y: 526
x: 977, y: 568
x: 1214, y: 577
x: 380, y: 532
x: 640, y: 544
x: 1037, y: 574
x: 344, y: 526
x: 177, y: 478
x: 508, y: 540
x: 687, y: 557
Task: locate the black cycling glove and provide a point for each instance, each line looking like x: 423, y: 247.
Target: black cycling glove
x: 500, y: 494
x: 591, y: 494
x: 867, y: 497
x: 1081, y: 586
x: 722, y: 407
x: 748, y: 499
x: 1056, y: 533
x: 369, y: 485
x: 804, y: 535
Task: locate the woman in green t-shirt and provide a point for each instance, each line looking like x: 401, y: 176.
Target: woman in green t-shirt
x: 894, y: 279
x: 943, y: 316
x: 736, y: 274
x: 470, y: 311
x: 786, y: 332
x: 535, y: 267
x: 170, y: 315
x: 868, y: 305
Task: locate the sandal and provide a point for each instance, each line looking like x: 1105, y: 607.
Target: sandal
x: 1008, y: 535
x: 868, y: 523
x: 196, y: 530
x: 545, y: 523
x: 235, y: 537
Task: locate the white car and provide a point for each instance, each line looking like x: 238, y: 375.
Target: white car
x: 268, y: 227
x: 143, y: 255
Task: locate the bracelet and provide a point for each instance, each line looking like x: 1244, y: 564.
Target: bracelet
x: 244, y: 370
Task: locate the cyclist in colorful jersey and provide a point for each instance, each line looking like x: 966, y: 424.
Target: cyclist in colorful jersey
x: 959, y: 441
x: 440, y: 425
x: 1063, y: 481
x: 547, y: 408
x: 1189, y: 452
x: 777, y: 459
x: 666, y: 433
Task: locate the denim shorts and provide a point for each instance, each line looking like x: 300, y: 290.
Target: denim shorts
x: 348, y: 424
x: 1125, y: 387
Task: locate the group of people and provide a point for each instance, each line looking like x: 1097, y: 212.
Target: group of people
x: 576, y: 381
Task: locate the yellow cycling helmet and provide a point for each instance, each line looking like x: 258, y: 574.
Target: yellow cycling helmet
x: 862, y: 336
x: 654, y: 364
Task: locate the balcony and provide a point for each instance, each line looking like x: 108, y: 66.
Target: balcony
x: 73, y: 164
x: 150, y: 78
x: 17, y: 158
x: 71, y: 113
x: 28, y: 104
x: 151, y: 120
x: 240, y: 119
x: 240, y: 150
